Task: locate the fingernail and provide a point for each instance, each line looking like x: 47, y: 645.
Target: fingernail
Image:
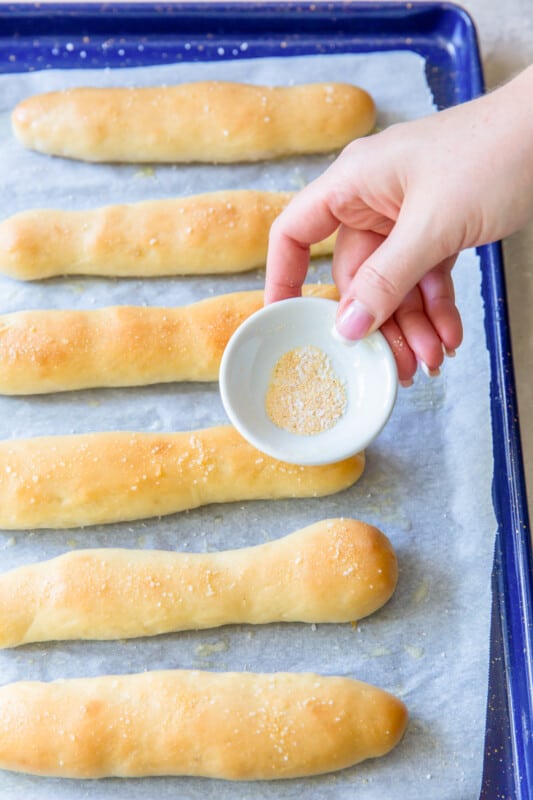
x: 355, y: 321
x: 406, y: 384
x: 431, y: 373
x: 450, y: 352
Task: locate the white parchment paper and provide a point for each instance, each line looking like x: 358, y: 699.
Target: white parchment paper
x: 427, y: 483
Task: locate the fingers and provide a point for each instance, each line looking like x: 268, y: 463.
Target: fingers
x: 426, y: 320
x: 352, y: 248
x: 380, y: 283
x: 405, y: 358
x: 286, y: 268
x: 418, y: 331
x: 439, y: 302
x: 306, y: 220
x: 342, y: 194
x: 429, y: 322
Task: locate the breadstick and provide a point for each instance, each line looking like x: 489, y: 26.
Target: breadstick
x: 217, y: 232
x: 206, y: 121
x: 337, y: 570
x: 55, y: 351
x: 235, y: 726
x: 93, y: 478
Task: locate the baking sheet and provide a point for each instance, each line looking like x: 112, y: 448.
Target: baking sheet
x: 427, y: 483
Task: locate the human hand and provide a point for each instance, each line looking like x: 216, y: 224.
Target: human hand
x: 405, y: 202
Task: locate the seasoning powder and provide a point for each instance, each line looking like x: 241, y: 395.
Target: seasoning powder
x: 305, y: 396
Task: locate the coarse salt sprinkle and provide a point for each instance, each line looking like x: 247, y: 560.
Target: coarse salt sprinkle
x: 305, y: 396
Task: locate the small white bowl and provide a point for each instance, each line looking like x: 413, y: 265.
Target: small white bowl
x: 366, y: 368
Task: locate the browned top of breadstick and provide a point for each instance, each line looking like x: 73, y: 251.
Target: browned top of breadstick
x: 88, y: 479
x: 61, y: 350
x: 337, y: 570
x: 209, y: 121
x: 216, y: 232
x: 236, y: 726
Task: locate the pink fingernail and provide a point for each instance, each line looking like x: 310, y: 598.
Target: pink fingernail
x: 450, y: 352
x: 431, y: 373
x: 355, y: 321
x: 407, y: 383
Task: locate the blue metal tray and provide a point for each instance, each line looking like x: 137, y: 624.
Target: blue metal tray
x: 66, y: 36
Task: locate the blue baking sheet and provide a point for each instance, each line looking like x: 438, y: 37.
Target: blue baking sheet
x: 124, y: 35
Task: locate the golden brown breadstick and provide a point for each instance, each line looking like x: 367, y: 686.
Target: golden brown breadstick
x: 235, y: 726
x: 336, y: 570
x: 215, y: 232
x: 55, y: 351
x: 211, y: 121
x: 88, y: 479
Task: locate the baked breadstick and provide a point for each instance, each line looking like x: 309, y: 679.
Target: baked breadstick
x: 206, y: 121
x: 55, y: 351
x: 337, y: 570
x: 93, y: 478
x: 216, y: 232
x: 235, y: 726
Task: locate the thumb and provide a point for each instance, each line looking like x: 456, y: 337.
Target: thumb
x: 385, y: 278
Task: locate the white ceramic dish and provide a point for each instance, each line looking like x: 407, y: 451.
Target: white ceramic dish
x: 366, y: 368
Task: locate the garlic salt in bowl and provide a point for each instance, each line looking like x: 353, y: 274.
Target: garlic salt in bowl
x: 298, y: 392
